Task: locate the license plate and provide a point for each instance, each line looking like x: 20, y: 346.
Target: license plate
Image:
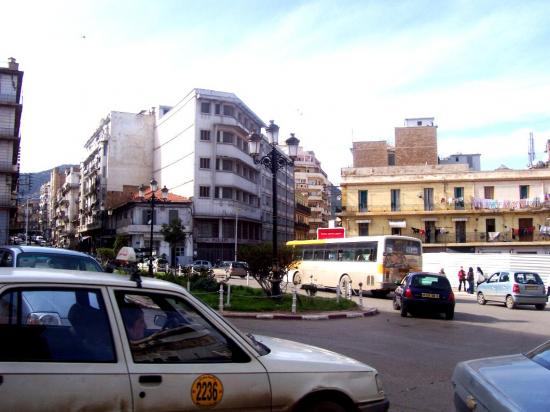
x: 431, y: 295
x: 531, y: 287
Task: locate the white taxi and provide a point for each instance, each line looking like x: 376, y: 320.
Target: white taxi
x: 71, y: 341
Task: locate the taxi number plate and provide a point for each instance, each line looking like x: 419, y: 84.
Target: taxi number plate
x: 431, y: 295
x: 207, y: 390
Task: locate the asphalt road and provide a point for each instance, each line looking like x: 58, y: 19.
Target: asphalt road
x: 416, y: 356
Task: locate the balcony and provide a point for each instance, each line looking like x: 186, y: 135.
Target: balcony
x: 477, y: 237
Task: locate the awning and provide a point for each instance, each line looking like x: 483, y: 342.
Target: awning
x: 363, y: 221
x: 460, y: 219
x: 397, y: 223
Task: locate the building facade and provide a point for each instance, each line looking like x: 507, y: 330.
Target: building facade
x: 44, y: 212
x: 11, y: 79
x: 451, y: 207
x: 312, y: 183
x: 67, y: 210
x: 119, y: 153
x: 302, y: 214
x: 201, y: 152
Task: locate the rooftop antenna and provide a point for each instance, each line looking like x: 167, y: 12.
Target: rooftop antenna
x: 531, y: 150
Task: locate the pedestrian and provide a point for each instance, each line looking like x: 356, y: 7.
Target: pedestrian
x: 461, y: 279
x: 470, y: 278
x: 480, y: 277
x: 442, y: 272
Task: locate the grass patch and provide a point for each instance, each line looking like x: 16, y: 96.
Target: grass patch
x: 247, y: 299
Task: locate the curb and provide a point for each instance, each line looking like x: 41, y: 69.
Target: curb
x: 288, y: 316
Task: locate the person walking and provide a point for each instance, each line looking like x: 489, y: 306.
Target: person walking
x: 480, y: 277
x: 470, y: 278
x: 461, y: 279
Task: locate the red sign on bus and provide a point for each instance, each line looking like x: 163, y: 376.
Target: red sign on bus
x: 331, y: 233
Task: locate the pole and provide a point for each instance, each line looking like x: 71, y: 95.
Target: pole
x: 151, y: 235
x: 236, y: 231
x: 275, y: 285
x: 27, y: 223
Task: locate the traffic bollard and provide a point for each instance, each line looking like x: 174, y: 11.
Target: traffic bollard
x: 338, y: 294
x: 188, y: 283
x: 220, y: 304
x: 228, y: 300
x: 294, y: 299
x: 179, y: 270
x: 360, y: 294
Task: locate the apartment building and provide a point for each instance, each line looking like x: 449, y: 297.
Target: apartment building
x: 57, y: 180
x: 201, y: 152
x: 11, y: 80
x: 302, y: 214
x: 451, y: 207
x: 312, y: 183
x: 44, y: 212
x: 67, y: 205
x: 119, y: 155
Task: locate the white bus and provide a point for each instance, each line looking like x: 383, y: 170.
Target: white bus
x: 377, y: 262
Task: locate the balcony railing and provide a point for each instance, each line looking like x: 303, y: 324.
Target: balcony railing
x: 477, y: 237
x: 477, y: 205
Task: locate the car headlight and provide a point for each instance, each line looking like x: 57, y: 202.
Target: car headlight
x: 379, y: 383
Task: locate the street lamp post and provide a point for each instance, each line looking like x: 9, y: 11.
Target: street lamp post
x: 273, y: 161
x: 153, y: 185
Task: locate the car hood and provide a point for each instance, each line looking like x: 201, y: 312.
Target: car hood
x: 511, y: 383
x: 290, y: 356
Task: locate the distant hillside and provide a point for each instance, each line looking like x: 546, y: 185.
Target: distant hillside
x: 29, y: 183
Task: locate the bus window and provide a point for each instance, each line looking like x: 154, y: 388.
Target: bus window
x: 331, y: 254
x: 319, y: 254
x: 308, y: 254
x: 348, y: 255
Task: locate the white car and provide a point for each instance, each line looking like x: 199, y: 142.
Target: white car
x: 77, y: 341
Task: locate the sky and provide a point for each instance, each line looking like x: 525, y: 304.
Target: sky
x: 330, y: 72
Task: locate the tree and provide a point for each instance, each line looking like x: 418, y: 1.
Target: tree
x: 260, y: 264
x: 120, y: 242
x: 173, y: 234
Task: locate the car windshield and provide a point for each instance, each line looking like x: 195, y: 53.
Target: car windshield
x: 431, y: 281
x: 528, y: 278
x: 541, y: 355
x: 57, y: 261
x: 238, y: 265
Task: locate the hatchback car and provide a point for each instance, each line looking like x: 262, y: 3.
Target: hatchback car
x: 201, y: 265
x: 504, y: 383
x: 513, y: 288
x: 47, y: 257
x: 104, y: 342
x: 228, y: 268
x: 424, y: 292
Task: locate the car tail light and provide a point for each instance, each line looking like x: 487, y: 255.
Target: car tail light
x: 451, y: 297
x: 515, y: 288
x: 408, y: 293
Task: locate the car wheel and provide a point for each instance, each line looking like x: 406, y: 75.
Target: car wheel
x: 540, y: 306
x: 395, y: 304
x: 403, y: 310
x: 450, y: 314
x: 324, y: 406
x: 481, y: 298
x: 345, y: 282
x: 510, y: 304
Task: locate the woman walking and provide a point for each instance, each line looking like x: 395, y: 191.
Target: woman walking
x: 470, y: 278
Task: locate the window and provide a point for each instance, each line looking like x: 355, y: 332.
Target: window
x: 428, y: 198
x: 227, y: 137
x: 228, y: 110
x: 204, y: 163
x: 172, y: 215
x: 524, y: 192
x: 363, y: 229
x: 205, y: 107
x: 204, y: 191
x: 362, y: 197
x: 489, y: 192
x: 227, y: 193
x: 55, y: 325
x: 205, y: 135
x: 459, y: 198
x: 490, y: 225
x: 391, y: 159
x: 165, y: 329
x: 146, y: 217
x: 217, y: 108
x: 227, y: 165
x: 395, y: 204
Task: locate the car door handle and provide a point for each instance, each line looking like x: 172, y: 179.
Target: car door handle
x: 150, y: 379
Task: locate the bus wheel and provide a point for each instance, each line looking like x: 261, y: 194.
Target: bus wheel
x: 344, y: 284
x: 297, y: 279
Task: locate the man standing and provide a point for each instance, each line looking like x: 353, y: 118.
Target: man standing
x: 461, y: 279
